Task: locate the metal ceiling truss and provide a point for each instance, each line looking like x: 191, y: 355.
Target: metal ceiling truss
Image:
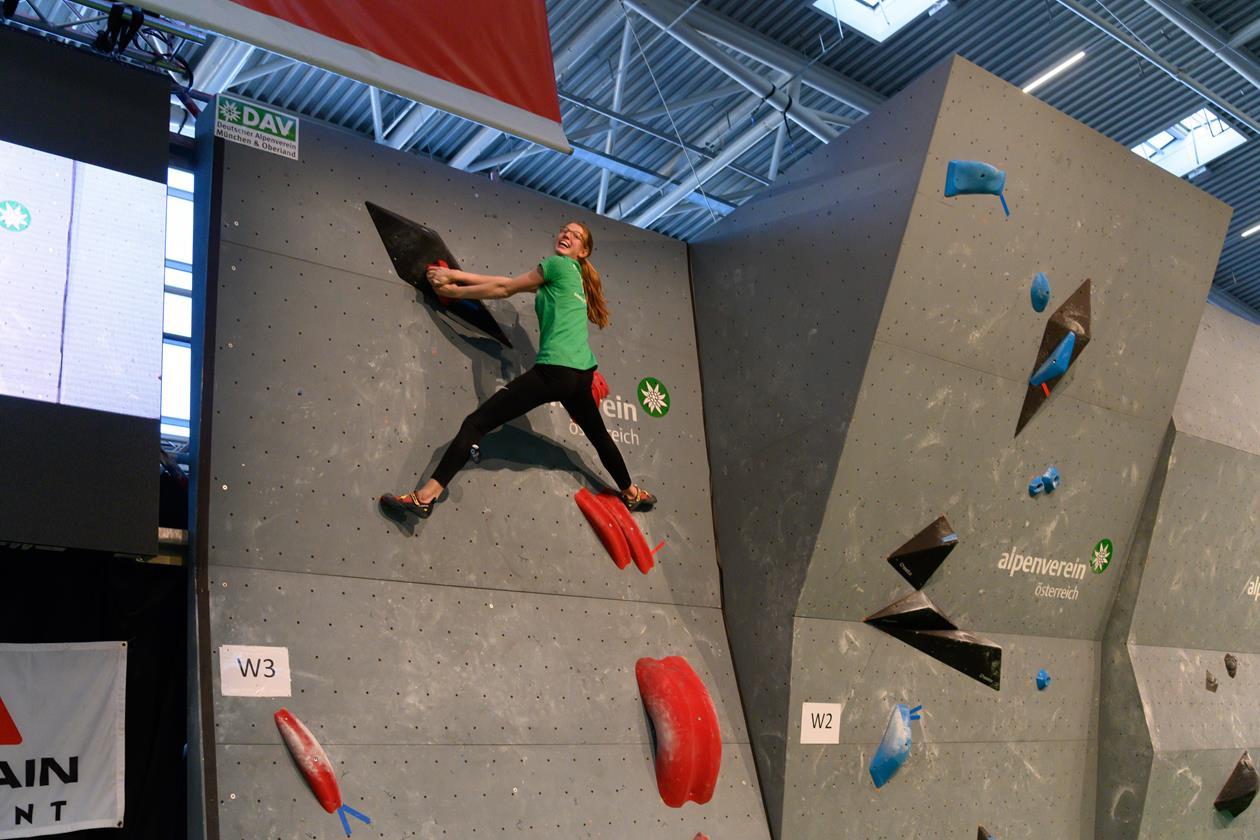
x: 1136, y: 45
x: 67, y: 23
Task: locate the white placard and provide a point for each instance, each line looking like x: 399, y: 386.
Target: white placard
x: 820, y: 723
x: 254, y: 671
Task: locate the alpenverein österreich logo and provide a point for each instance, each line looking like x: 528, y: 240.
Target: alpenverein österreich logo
x: 1101, y: 558
x: 14, y: 217
x: 653, y: 396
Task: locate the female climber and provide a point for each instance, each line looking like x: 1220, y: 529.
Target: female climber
x: 568, y: 294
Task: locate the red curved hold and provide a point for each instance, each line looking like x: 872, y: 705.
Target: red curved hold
x: 599, y: 388
x: 606, y: 528
x: 311, y: 759
x: 700, y: 836
x: 639, y: 550
x: 688, y: 741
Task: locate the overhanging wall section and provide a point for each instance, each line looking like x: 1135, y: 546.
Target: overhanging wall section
x: 472, y: 674
x: 932, y: 430
x: 1192, y: 600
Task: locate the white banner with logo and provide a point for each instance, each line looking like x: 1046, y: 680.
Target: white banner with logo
x: 62, y: 710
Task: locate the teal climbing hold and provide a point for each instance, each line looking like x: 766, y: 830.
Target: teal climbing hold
x: 1056, y: 364
x: 1040, y: 292
x: 975, y: 177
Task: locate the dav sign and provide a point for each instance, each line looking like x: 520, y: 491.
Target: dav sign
x: 61, y: 737
x: 251, y: 124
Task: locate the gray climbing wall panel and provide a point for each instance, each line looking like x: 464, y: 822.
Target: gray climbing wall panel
x: 1190, y: 597
x: 917, y: 400
x: 474, y: 674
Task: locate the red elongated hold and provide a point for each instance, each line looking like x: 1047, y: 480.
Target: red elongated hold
x: 606, y: 528
x: 700, y: 836
x: 688, y: 741
x: 599, y: 388
x: 634, y: 537
x: 311, y: 759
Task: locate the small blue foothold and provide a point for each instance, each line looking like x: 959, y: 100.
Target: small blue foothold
x: 894, y: 749
x: 1056, y: 364
x: 1046, y: 483
x: 1050, y: 479
x: 1043, y: 679
x: 1040, y: 292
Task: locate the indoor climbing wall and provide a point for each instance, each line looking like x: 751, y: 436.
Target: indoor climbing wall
x: 473, y: 674
x: 1178, y: 720
x: 889, y: 338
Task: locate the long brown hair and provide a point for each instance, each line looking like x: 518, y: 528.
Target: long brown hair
x: 596, y: 306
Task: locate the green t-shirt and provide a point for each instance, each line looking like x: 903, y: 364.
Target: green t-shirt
x: 561, y: 306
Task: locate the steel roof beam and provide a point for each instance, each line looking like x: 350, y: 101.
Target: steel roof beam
x: 755, y: 82
x: 507, y: 157
x: 262, y: 68
x: 688, y: 102
x: 652, y: 132
x: 219, y: 64
x: 1163, y: 64
x: 374, y: 100
x: 753, y: 44
x: 634, y: 199
x: 627, y: 35
x: 693, y: 181
x: 1210, y: 38
x: 652, y: 180
x: 1246, y: 35
x: 405, y: 131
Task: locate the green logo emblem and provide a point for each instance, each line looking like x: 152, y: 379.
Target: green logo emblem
x: 14, y: 216
x: 654, y: 396
x: 1101, y: 557
x: 253, y: 116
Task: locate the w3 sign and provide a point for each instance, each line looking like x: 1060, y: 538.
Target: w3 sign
x: 252, y: 671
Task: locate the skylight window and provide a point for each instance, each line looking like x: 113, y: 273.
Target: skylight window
x: 1188, y: 145
x: 876, y: 19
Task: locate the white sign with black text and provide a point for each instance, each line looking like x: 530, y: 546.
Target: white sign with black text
x: 62, y: 727
x: 254, y: 671
x: 820, y: 723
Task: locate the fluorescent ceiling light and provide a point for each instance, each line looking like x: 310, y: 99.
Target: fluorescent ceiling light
x: 1052, y: 72
x: 876, y: 19
x: 1250, y: 231
x: 1189, y: 144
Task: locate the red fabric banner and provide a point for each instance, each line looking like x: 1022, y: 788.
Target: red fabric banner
x: 501, y: 48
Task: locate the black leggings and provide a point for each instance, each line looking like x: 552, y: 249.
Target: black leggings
x: 540, y: 384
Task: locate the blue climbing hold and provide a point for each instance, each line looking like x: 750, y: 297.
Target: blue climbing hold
x: 975, y: 177
x: 1040, y: 292
x: 1056, y: 364
x: 1043, y: 679
x: 1047, y: 482
x: 894, y: 749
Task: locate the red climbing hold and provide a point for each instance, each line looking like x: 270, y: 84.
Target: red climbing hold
x: 311, y: 759
x: 606, y: 528
x: 634, y: 537
x: 700, y: 836
x: 688, y: 741
x: 599, y: 388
